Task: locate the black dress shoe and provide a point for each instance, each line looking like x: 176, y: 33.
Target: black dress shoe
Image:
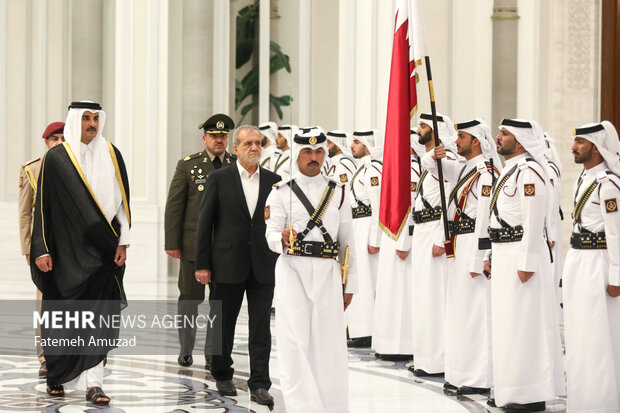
x: 185, y: 360
x: 394, y: 357
x: 261, y: 396
x: 491, y: 402
x: 226, y: 388
x: 423, y: 373
x: 449, y: 386
x: 525, y: 407
x: 208, y: 363
x: 463, y: 390
x: 359, y: 342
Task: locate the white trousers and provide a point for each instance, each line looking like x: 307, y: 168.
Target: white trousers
x: 93, y: 377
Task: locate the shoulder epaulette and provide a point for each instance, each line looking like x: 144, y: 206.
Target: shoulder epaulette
x: 278, y: 185
x: 338, y: 183
x: 192, y: 156
x: 347, y: 159
x: 32, y: 161
x: 604, y: 175
x: 376, y: 161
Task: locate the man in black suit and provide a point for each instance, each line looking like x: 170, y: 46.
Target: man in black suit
x: 233, y: 256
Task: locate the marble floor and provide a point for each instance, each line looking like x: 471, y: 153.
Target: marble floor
x: 158, y: 384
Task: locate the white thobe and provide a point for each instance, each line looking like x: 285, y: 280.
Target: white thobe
x: 526, y: 338
x: 282, y: 164
x: 591, y: 316
x: 468, y: 304
x: 428, y: 286
x: 391, y: 332
x: 554, y: 233
x: 268, y: 156
x: 311, y: 342
x: 365, y: 187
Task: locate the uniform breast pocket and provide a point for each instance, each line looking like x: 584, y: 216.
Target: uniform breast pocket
x: 509, y: 190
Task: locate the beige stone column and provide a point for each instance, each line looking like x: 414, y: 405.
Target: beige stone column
x: 505, y: 65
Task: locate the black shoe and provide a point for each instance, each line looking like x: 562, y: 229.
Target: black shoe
x: 359, y: 342
x: 423, y: 373
x: 43, y: 370
x: 463, y: 390
x: 448, y: 386
x: 261, y: 396
x: 491, y: 402
x: 526, y: 407
x: 226, y: 388
x: 394, y: 357
x: 411, y: 368
x: 207, y: 363
x: 185, y: 360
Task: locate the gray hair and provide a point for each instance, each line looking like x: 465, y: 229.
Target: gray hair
x: 244, y: 129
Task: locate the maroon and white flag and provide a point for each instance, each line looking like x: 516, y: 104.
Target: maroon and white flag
x: 408, y: 49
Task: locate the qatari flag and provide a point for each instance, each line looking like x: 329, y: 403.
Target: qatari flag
x: 407, y: 52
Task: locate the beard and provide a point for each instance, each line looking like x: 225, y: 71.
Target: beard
x: 425, y: 138
x: 333, y: 151
x: 583, y: 157
x: 464, y: 151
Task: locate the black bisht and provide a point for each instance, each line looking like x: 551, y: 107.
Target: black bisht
x: 70, y: 226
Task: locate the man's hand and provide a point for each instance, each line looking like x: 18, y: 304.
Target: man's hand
x: 203, y: 276
x: 474, y: 274
x: 286, y: 237
x: 121, y: 255
x: 174, y: 253
x: 346, y: 297
x: 613, y: 290
x: 373, y: 250
x: 44, y: 263
x: 439, y: 152
x: 487, y: 267
x: 402, y: 254
x: 438, y: 251
x: 28, y: 259
x: 524, y: 276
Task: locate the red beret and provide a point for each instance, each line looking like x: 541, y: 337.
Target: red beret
x: 53, y: 128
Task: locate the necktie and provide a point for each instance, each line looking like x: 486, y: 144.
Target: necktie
x: 217, y: 163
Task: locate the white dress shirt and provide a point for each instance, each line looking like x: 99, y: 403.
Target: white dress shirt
x: 250, y: 186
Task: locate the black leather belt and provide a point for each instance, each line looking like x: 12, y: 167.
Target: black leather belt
x: 427, y: 215
x: 506, y: 234
x: 464, y: 226
x: 588, y: 241
x: 315, y: 249
x: 361, y: 211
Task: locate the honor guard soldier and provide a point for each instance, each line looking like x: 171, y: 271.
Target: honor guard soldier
x: 527, y: 365
x: 468, y: 303
x: 591, y: 279
x: 282, y: 163
x: 181, y: 218
x: 270, y: 151
x: 428, y: 261
x: 391, y: 335
x: 309, y: 297
x: 342, y: 166
x: 28, y: 177
x: 366, y: 194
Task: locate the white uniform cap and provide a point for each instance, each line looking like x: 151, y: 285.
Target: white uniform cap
x: 311, y: 137
x: 605, y: 137
x: 270, y: 130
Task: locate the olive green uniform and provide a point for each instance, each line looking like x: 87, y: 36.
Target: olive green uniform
x: 180, y: 222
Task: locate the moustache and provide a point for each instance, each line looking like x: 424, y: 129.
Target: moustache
x: 313, y: 163
x: 92, y: 128
x: 575, y: 153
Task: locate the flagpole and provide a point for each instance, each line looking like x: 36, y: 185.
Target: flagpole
x: 447, y: 244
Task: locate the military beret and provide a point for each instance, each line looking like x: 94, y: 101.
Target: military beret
x: 53, y: 128
x: 218, y: 123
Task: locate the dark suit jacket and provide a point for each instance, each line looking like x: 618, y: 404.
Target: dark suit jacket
x: 231, y: 241
x: 184, y: 198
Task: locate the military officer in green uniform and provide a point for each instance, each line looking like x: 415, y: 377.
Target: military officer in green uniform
x: 181, y: 218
